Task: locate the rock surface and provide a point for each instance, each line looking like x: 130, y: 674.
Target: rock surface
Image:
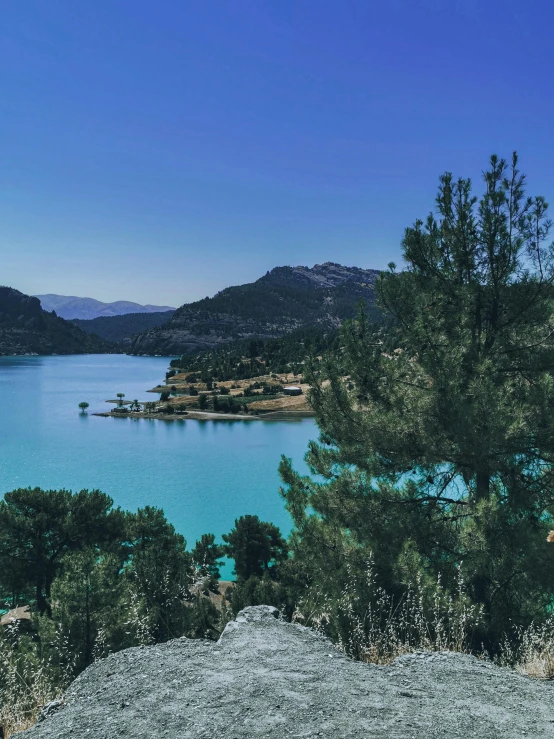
x: 266, y: 678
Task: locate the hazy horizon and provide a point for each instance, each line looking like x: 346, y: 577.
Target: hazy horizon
x: 130, y: 300
x: 89, y: 297
x: 160, y: 154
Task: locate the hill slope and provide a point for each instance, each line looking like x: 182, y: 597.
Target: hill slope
x: 70, y: 306
x: 265, y: 678
x: 122, y: 328
x: 284, y: 299
x: 26, y: 328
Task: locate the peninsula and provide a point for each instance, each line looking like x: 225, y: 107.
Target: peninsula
x: 273, y: 396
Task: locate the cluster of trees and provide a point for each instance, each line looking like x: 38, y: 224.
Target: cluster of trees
x: 103, y: 577
x: 228, y: 404
x: 246, y: 359
x: 99, y: 579
x: 216, y: 398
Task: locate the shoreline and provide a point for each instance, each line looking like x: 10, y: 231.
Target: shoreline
x: 210, y: 416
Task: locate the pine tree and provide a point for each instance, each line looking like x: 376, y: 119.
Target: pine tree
x: 159, y: 571
x: 257, y: 547
x: 87, y: 605
x: 38, y: 527
x: 438, y: 446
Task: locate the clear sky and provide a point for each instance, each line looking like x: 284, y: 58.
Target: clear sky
x: 159, y: 151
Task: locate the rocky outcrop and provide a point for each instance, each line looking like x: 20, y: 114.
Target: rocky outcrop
x: 282, y: 300
x: 27, y: 329
x: 266, y: 678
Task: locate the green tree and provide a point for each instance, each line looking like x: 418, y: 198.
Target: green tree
x: 120, y: 397
x: 257, y: 547
x: 442, y: 451
x: 203, y: 617
x: 83, y: 406
x: 206, y: 556
x: 87, y: 605
x: 160, y: 571
x: 202, y: 401
x: 38, y: 527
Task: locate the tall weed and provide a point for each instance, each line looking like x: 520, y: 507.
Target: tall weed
x: 530, y: 650
x: 377, y: 628
x: 29, y: 679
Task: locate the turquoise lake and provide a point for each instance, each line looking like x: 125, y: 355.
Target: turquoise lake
x: 204, y: 474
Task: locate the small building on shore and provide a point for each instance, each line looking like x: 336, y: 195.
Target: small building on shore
x: 292, y: 390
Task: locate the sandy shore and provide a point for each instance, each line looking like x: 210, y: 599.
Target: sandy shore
x: 210, y: 416
x: 194, y: 415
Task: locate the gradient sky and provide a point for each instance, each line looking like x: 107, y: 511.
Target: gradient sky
x: 160, y: 151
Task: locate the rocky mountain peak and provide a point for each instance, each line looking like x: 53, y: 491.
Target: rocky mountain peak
x: 326, y: 275
x: 284, y: 299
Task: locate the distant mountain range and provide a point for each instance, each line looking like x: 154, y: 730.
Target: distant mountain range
x: 284, y: 299
x: 70, y: 306
x: 25, y: 328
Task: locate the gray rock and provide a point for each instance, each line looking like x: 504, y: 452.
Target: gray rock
x: 267, y: 678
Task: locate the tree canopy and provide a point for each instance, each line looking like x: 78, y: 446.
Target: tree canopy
x: 256, y: 547
x: 38, y: 527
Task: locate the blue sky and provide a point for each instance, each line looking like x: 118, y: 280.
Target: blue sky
x: 160, y: 151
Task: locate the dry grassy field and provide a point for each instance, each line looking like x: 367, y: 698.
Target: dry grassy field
x: 258, y: 403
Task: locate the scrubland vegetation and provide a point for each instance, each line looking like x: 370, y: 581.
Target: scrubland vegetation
x: 425, y: 520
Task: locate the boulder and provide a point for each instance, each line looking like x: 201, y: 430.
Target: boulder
x: 269, y: 679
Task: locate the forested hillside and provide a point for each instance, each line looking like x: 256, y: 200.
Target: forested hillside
x: 247, y: 359
x: 25, y: 328
x: 285, y: 299
x: 122, y: 328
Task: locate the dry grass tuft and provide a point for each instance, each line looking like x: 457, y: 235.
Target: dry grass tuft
x: 24, y: 684
x: 383, y: 628
x: 530, y: 651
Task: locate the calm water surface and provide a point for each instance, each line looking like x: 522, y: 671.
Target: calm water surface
x: 204, y: 474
